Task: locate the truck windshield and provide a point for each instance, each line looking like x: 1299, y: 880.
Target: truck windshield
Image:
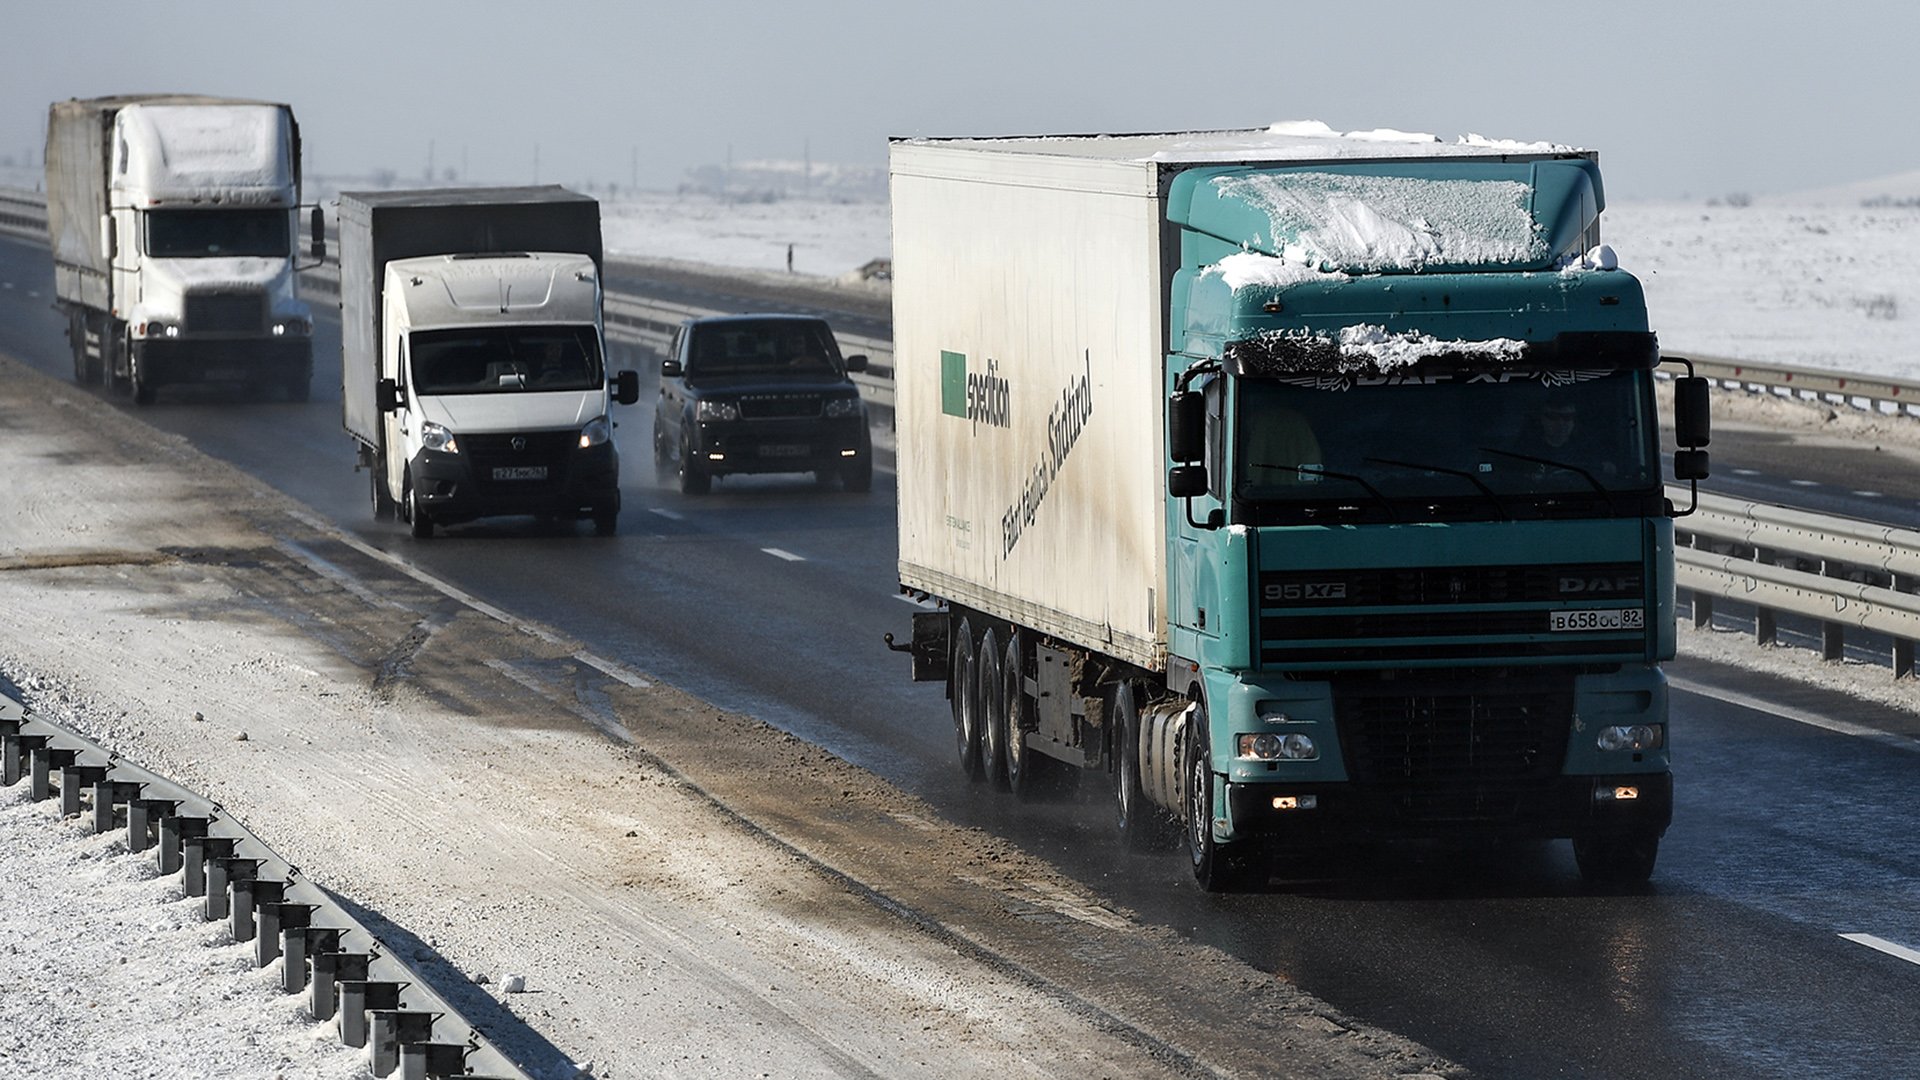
x: 761, y: 347
x: 505, y: 359
x: 1512, y: 444
x: 206, y: 234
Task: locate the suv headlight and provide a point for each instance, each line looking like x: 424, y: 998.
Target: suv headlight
x: 716, y: 410
x: 435, y: 437
x: 841, y: 406
x: 597, y: 432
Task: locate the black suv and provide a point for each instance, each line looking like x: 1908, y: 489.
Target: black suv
x: 760, y: 394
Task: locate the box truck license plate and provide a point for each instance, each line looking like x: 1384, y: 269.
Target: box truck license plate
x: 520, y: 472
x: 1597, y: 619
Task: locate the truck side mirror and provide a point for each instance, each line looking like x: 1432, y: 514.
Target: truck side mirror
x: 1187, y: 428
x: 1692, y: 419
x: 857, y: 362
x: 1187, y: 481
x: 386, y: 395
x: 107, y: 239
x: 1689, y: 464
x: 626, y: 387
x: 669, y: 369
x: 318, y: 232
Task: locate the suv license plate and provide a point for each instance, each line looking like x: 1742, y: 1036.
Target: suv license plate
x: 520, y: 472
x: 783, y: 450
x: 1597, y: 619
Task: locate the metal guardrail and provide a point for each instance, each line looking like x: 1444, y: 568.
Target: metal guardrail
x: 1843, y: 573
x: 1876, y: 392
x: 374, y: 999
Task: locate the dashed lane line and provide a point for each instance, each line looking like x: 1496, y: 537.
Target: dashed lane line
x: 787, y: 555
x: 1911, y: 956
x: 668, y: 514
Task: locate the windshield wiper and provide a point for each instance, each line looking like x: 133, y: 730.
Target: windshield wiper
x: 1552, y: 464
x: 1303, y: 470
x: 1442, y: 470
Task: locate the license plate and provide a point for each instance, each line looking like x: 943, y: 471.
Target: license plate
x: 520, y: 472
x: 1597, y: 619
x: 783, y: 450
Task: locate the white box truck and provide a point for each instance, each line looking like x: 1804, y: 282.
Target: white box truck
x: 473, y: 358
x: 174, y: 222
x: 1221, y: 468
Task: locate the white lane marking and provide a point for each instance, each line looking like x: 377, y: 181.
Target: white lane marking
x: 787, y: 555
x: 1869, y: 494
x: 1911, y: 956
x: 1804, y: 483
x: 1746, y: 472
x: 6, y: 284
x: 1799, y: 716
x: 612, y: 668
x: 668, y: 514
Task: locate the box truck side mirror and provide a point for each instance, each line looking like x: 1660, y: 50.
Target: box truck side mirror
x: 386, y: 395
x: 317, y: 230
x: 626, y: 387
x: 1187, y: 427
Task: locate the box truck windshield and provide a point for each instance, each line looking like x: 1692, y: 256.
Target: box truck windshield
x: 199, y: 234
x: 505, y: 359
x: 1483, y: 447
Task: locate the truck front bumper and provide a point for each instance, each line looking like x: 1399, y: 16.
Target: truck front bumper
x: 571, y: 483
x: 266, y: 361
x: 1316, y: 814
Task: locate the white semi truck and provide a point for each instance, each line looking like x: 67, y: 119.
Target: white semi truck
x: 473, y: 358
x: 1308, y: 486
x: 174, y: 222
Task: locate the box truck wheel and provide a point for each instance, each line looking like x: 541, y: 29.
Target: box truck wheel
x: 965, y: 696
x: 1616, y: 860
x: 419, y: 521
x: 382, y: 502
x: 1217, y: 867
x: 1141, y: 824
x: 993, y: 710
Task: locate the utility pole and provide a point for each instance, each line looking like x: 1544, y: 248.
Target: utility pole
x: 633, y: 181
x: 536, y: 163
x: 429, y: 161
x: 806, y: 180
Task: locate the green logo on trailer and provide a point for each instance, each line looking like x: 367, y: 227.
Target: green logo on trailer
x: 981, y: 399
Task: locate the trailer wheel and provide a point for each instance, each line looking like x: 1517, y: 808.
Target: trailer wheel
x: 1024, y: 767
x: 1616, y: 861
x: 965, y: 695
x: 1141, y: 825
x: 419, y: 521
x: 87, y: 368
x: 993, y: 710
x: 1216, y: 866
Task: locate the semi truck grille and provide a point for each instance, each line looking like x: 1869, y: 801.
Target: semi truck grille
x: 1486, y: 749
x: 1451, y: 585
x: 551, y: 450
x: 226, y: 312
x: 779, y: 406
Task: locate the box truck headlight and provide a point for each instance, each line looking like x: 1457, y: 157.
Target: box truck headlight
x: 1631, y: 737
x: 717, y: 410
x: 1272, y: 746
x: 841, y: 406
x: 596, y: 433
x: 435, y: 437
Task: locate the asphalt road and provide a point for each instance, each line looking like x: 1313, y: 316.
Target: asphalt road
x: 770, y: 597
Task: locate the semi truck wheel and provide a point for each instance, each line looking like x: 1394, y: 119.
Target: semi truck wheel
x: 1140, y: 824
x: 1216, y: 866
x: 993, y: 710
x: 86, y: 365
x: 137, y: 381
x: 1618, y: 861
x: 1023, y: 765
x: 964, y: 694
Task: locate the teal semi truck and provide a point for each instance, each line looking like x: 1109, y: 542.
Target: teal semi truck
x: 1307, y: 486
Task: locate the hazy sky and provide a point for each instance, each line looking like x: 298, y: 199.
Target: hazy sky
x: 1681, y: 97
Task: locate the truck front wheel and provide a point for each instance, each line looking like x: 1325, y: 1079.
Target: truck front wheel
x: 1616, y: 860
x: 1217, y: 867
x: 419, y: 522
x: 965, y: 694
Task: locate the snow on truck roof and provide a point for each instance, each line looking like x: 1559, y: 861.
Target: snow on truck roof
x: 206, y: 149
x: 1299, y: 140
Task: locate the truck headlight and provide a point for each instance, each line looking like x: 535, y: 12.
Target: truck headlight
x: 291, y: 328
x: 435, y: 437
x: 716, y: 410
x: 841, y: 406
x: 1631, y: 737
x: 597, y: 432
x: 156, y: 328
x: 1273, y: 746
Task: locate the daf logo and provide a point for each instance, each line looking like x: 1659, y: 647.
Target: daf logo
x: 1599, y: 584
x: 519, y: 442
x: 1316, y: 590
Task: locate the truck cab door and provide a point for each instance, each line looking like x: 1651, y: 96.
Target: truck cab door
x: 1194, y: 597
x: 396, y: 424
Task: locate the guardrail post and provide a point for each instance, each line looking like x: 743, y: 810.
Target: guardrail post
x: 216, y: 855
x: 358, y: 997
x: 297, y: 944
x: 193, y: 855
x: 40, y: 770
x: 332, y: 967
x: 1833, y: 635
x: 9, y: 759
x: 389, y: 1030
x: 241, y: 883
x: 273, y: 917
x: 261, y: 895
x: 432, y: 1060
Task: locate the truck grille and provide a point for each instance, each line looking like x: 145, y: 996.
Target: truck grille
x: 1488, y: 747
x: 779, y: 406
x: 551, y: 449
x: 1451, y: 585
x: 226, y: 313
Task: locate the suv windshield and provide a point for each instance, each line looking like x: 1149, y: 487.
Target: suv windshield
x: 205, y: 234
x: 1511, y: 444
x: 505, y: 359
x: 762, y: 347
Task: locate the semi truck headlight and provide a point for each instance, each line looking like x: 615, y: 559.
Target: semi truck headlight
x: 291, y: 328
x: 717, y: 410
x: 841, y: 406
x: 435, y: 437
x: 1272, y: 746
x: 1630, y: 737
x: 596, y: 432
x: 156, y: 328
